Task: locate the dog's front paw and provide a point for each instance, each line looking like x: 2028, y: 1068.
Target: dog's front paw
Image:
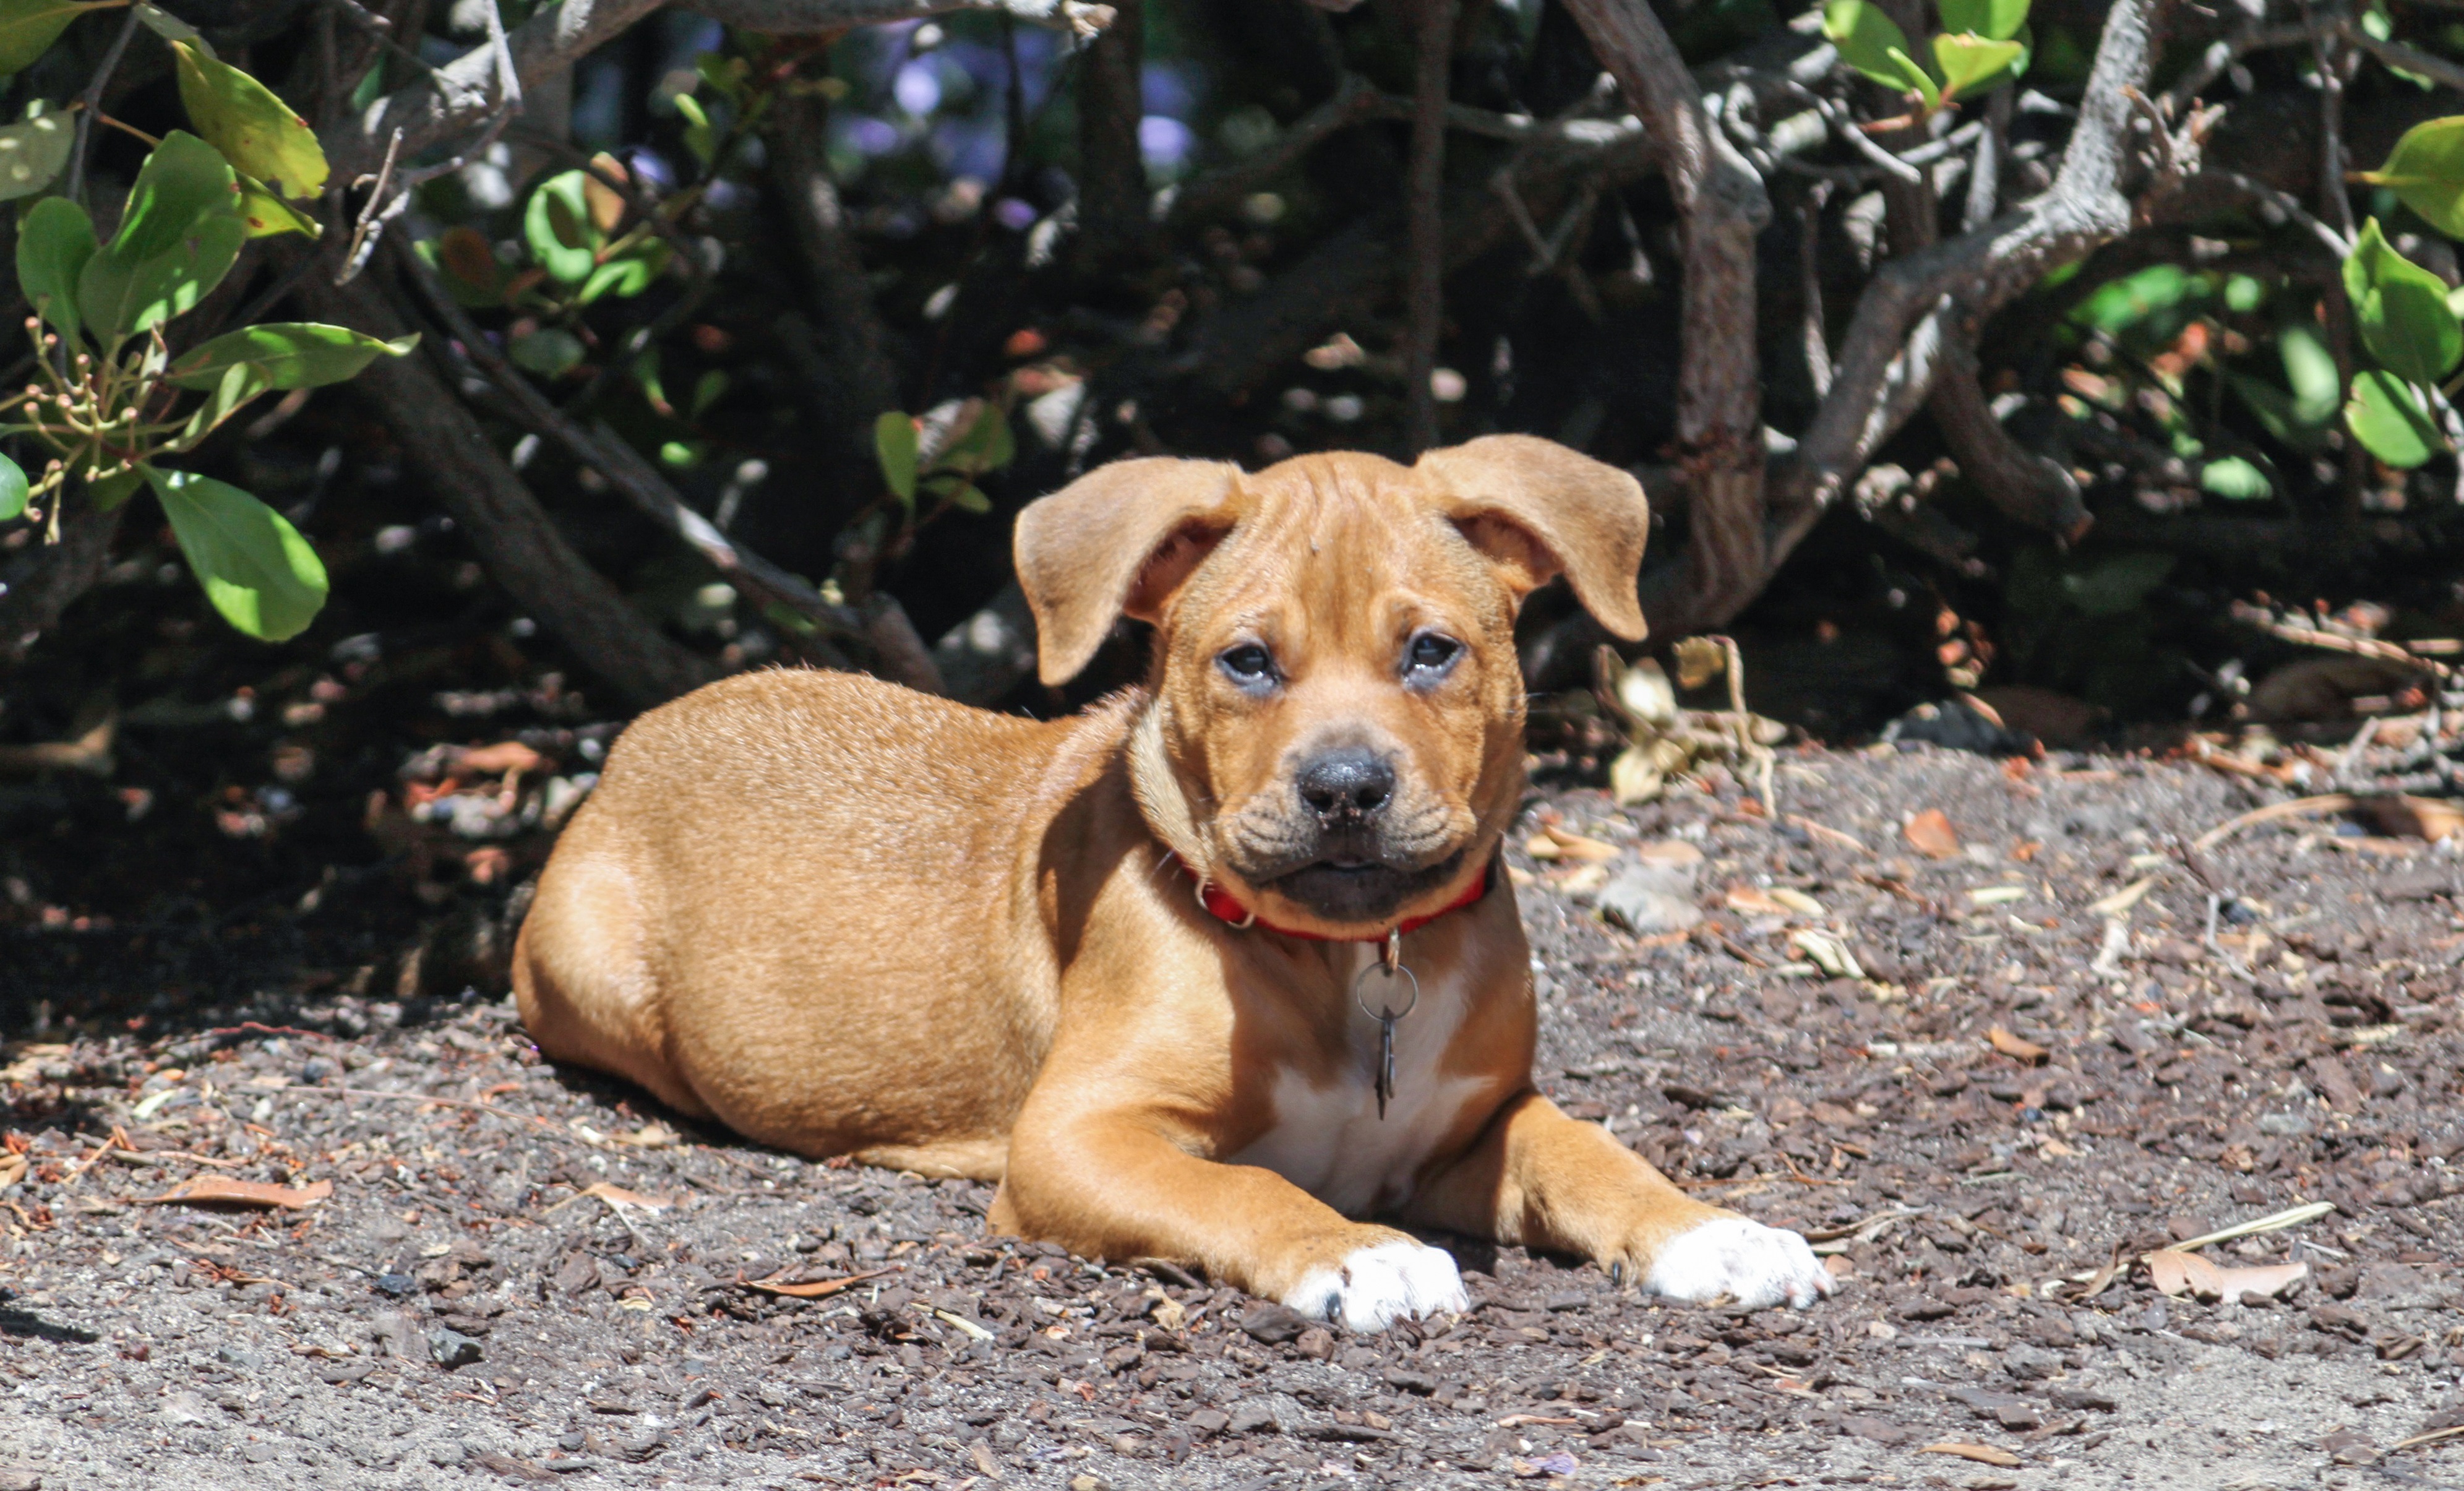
x: 1744, y: 1260
x: 1380, y: 1283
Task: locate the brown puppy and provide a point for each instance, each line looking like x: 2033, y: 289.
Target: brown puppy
x: 1130, y: 963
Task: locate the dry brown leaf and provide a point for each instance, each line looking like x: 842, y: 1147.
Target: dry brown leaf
x: 1553, y: 842
x: 618, y: 1195
x: 1796, y: 901
x: 2414, y: 818
x: 814, y: 1288
x: 1981, y: 1453
x: 1674, y: 852
x: 2015, y: 1047
x: 506, y: 756
x: 222, y: 1191
x: 1931, y: 834
x: 1753, y: 901
x: 2177, y: 1273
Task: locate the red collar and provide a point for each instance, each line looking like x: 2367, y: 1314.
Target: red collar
x: 1223, y: 907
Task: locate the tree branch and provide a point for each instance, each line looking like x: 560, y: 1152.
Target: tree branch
x: 1887, y: 363
x: 1723, y: 206
x: 461, y: 96
x: 515, y: 538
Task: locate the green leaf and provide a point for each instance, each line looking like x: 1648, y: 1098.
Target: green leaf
x: 708, y: 389
x: 969, y: 498
x: 2401, y: 310
x: 682, y: 454
x: 1872, y: 43
x: 32, y: 154
x: 556, y: 225
x: 625, y: 278
x: 235, y: 386
x: 287, y: 355
x: 2318, y: 388
x: 2278, y: 412
x: 119, y: 298
x: 1969, y: 63
x: 987, y: 445
x: 183, y: 181
x: 54, y: 243
x: 550, y: 353
x: 2236, y: 479
x: 1995, y: 20
x: 178, y: 238
x: 106, y: 493
x: 28, y: 27
x: 1915, y: 78
x: 894, y: 445
x: 700, y: 138
x: 2426, y: 170
x: 2112, y: 586
x: 266, y: 214
x: 171, y: 27
x: 2389, y: 417
x: 13, y: 488
x: 257, y: 569
x: 256, y: 131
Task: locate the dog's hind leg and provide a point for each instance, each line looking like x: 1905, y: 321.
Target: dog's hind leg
x: 581, y: 978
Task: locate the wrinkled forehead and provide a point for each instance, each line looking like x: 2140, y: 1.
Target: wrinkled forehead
x: 1342, y: 539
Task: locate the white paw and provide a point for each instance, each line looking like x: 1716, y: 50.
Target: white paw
x: 1382, y: 1284
x: 1744, y: 1260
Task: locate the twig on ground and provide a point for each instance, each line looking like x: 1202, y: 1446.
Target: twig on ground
x: 2297, y: 807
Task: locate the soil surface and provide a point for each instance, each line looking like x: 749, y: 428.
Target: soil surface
x: 2027, y: 1079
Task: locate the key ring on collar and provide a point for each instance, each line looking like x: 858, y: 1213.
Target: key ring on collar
x: 1390, y: 967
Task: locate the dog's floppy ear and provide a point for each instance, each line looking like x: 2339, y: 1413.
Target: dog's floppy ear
x: 1117, y: 541
x: 1538, y: 510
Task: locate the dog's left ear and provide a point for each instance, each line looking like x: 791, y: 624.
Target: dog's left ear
x: 1117, y: 541
x: 1538, y: 510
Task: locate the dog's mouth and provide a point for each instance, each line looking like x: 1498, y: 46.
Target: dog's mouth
x: 1347, y: 890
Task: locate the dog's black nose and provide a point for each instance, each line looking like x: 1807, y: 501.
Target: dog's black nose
x: 1347, y: 783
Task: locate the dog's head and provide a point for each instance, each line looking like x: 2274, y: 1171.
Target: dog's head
x: 1337, y: 733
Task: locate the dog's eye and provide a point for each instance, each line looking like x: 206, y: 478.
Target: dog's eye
x: 1248, y: 665
x: 1431, y: 654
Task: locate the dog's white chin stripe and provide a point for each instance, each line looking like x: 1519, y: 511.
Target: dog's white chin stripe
x: 1744, y: 1260
x: 1381, y: 1284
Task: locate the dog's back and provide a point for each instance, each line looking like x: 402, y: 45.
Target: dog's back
x: 858, y: 818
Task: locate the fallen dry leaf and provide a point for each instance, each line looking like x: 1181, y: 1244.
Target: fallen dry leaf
x: 2414, y: 818
x: 814, y: 1288
x: 1553, y: 842
x: 1668, y: 851
x: 2014, y: 1046
x: 506, y: 756
x: 222, y: 1191
x: 1754, y: 901
x: 653, y: 1135
x: 1981, y: 1453
x: 618, y: 1195
x: 1931, y: 834
x: 1796, y: 901
x: 2176, y: 1273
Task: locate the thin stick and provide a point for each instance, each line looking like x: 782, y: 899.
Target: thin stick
x: 73, y: 187
x: 2290, y: 1217
x: 2298, y: 807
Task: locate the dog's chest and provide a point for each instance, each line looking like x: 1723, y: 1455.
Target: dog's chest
x: 1327, y: 1136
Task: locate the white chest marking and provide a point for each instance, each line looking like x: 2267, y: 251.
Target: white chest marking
x: 1329, y: 1141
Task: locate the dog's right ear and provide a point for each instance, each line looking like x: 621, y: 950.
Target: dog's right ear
x: 1115, y: 543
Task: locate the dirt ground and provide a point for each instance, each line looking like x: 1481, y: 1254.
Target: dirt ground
x: 2274, y: 1023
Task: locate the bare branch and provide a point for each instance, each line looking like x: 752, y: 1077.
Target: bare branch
x: 1887, y: 363
x: 1424, y: 208
x: 1723, y: 206
x: 515, y: 538
x: 459, y: 95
